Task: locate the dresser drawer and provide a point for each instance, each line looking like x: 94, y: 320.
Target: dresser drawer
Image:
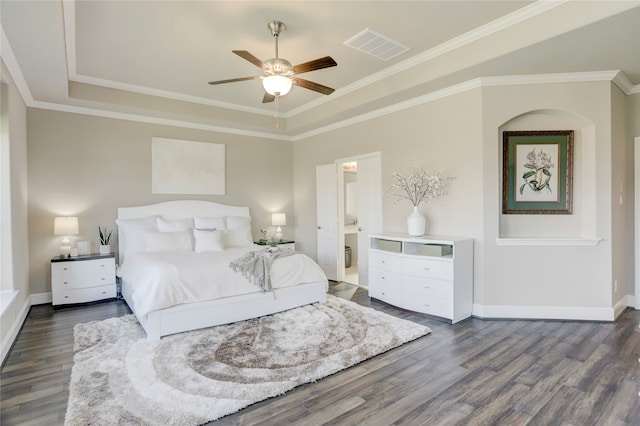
x: 426, y: 288
x: 67, y: 296
x: 432, y: 306
x: 385, y: 286
x: 385, y: 261
x: 83, y: 274
x: 442, y: 270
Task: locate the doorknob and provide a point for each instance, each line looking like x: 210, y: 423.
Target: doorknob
x: 359, y: 228
x: 319, y: 227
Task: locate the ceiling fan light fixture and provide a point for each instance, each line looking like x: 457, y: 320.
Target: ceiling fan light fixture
x: 277, y: 85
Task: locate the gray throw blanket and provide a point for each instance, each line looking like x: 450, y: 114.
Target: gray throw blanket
x: 256, y: 265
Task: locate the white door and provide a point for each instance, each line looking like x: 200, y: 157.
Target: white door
x: 327, y: 219
x: 369, y: 210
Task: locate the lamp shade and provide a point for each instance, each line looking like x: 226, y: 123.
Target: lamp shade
x: 277, y: 85
x: 65, y: 226
x: 278, y: 219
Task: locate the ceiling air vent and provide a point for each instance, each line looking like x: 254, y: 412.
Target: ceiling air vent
x: 375, y: 44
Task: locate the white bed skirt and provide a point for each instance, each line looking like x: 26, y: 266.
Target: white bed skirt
x: 226, y: 310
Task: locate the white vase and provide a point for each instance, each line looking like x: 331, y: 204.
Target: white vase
x: 105, y: 249
x: 416, y: 223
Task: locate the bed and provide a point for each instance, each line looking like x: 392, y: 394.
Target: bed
x: 175, y: 284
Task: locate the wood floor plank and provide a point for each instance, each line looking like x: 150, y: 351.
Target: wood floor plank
x: 591, y: 368
x: 476, y: 372
x: 557, y: 407
x: 544, y: 389
x: 492, y: 411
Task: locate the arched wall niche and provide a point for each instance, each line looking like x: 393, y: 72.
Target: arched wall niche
x: 582, y: 222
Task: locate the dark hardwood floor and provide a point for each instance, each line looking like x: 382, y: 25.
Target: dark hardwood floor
x: 477, y: 372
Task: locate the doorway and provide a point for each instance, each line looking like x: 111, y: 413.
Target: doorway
x: 349, y: 209
x: 350, y: 223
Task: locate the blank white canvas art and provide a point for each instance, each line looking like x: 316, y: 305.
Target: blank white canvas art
x: 187, y: 167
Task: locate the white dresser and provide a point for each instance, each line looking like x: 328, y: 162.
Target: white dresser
x: 83, y: 278
x: 431, y: 275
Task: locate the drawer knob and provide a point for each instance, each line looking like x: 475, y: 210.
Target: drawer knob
x: 426, y: 287
x: 426, y: 269
x: 66, y: 297
x: 102, y: 279
x: 384, y: 278
x: 382, y: 261
x: 66, y: 282
x: 65, y: 269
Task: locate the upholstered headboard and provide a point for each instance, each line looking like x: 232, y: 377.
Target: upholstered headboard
x: 179, y: 209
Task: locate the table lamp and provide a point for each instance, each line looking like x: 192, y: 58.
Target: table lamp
x: 65, y: 226
x: 278, y: 219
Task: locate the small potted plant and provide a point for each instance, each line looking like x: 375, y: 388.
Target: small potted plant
x: 105, y: 240
x: 263, y: 240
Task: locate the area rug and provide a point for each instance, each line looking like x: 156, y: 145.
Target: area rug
x: 118, y: 377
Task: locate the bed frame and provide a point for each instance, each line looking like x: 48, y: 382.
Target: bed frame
x: 192, y: 316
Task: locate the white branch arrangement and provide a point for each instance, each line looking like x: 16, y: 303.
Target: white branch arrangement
x: 420, y: 187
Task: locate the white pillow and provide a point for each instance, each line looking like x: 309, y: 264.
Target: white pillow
x: 168, y: 241
x: 166, y: 225
x: 132, y: 232
x: 209, y: 222
x: 236, y: 238
x: 242, y: 226
x: 208, y: 240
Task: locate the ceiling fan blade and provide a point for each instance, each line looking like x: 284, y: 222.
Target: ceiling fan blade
x: 233, y: 80
x: 316, y: 64
x: 268, y: 98
x: 249, y: 57
x: 312, y: 86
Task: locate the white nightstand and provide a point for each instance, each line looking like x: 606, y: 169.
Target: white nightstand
x: 284, y: 244
x: 83, y: 278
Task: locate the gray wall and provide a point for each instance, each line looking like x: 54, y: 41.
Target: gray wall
x: 13, y: 180
x: 89, y: 166
x: 462, y: 133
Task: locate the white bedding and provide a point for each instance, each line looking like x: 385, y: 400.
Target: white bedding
x: 160, y: 280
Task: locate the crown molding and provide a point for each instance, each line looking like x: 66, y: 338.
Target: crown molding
x: 110, y: 84
x: 469, y: 85
x: 154, y: 120
x: 574, y: 77
x: 511, y: 19
x: 616, y: 76
x: 476, y: 34
x: 10, y: 61
x: 429, y: 97
x: 69, y: 19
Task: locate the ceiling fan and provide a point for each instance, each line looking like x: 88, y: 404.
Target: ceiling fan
x: 279, y: 75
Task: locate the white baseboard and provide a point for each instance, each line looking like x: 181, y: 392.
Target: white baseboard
x: 41, y: 298
x: 628, y: 301
x: 15, y: 329
x: 544, y: 312
x: 34, y: 299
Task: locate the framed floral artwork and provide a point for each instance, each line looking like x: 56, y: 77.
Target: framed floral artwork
x: 537, y: 172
